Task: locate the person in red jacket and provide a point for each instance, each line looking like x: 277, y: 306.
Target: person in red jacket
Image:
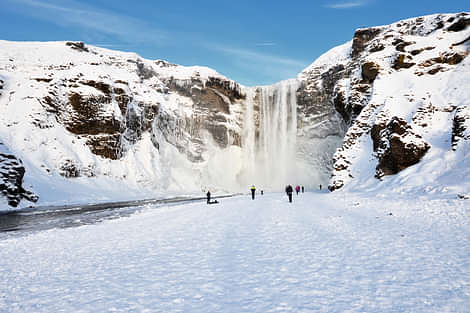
x: 297, y: 189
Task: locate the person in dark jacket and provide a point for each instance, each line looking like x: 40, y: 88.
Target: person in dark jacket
x: 208, y: 194
x: 253, y: 189
x: 289, y: 191
x: 303, y: 189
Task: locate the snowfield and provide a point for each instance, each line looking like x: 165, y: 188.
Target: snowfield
x: 325, y: 252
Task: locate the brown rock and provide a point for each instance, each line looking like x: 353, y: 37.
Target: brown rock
x: 370, y: 70
x: 397, y: 146
x: 79, y: 46
x: 361, y: 38
x: 401, y: 61
x: 460, y: 25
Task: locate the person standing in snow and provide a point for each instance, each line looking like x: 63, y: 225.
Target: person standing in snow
x: 253, y: 189
x: 297, y: 189
x: 302, y: 189
x: 289, y: 192
x: 208, y: 194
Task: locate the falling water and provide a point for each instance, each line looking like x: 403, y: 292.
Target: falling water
x: 269, y: 135
x: 249, y: 135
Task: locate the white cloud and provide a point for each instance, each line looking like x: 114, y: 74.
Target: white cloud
x: 263, y: 44
x: 71, y: 13
x: 347, y: 4
x: 254, y: 56
x: 265, y: 66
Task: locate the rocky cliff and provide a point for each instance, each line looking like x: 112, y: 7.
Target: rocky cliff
x: 399, y: 88
x: 83, y: 113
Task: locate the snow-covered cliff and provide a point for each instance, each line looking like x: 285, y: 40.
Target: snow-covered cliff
x: 91, y: 124
x: 403, y: 90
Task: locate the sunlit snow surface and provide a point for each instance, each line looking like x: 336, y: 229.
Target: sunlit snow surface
x: 322, y: 253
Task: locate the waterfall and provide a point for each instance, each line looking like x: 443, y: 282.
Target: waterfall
x: 269, y: 135
x: 249, y: 134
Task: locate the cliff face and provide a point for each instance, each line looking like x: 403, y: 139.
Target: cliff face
x: 394, y: 86
x: 88, y: 114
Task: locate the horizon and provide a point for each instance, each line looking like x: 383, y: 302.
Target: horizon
x: 252, y: 43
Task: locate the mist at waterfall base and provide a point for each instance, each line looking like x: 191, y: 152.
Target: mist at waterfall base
x: 272, y: 154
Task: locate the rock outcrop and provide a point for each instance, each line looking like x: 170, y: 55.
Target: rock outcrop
x: 11, y: 179
x: 460, y: 125
x: 397, y: 146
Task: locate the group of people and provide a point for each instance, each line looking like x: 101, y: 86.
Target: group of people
x: 290, y: 191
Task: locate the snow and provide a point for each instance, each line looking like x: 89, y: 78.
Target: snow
x: 338, y: 252
x: 332, y: 57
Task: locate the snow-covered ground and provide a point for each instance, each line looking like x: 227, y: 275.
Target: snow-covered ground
x: 325, y: 252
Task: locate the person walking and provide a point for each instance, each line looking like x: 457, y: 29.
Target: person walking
x: 289, y: 192
x: 253, y: 189
x: 302, y: 189
x: 297, y: 189
x: 208, y: 194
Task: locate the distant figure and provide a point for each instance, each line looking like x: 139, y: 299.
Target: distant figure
x: 261, y: 192
x: 253, y: 189
x: 289, y: 192
x: 320, y: 186
x: 208, y: 194
x: 297, y: 189
x: 302, y: 189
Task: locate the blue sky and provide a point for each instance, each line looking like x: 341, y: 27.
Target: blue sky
x: 252, y: 42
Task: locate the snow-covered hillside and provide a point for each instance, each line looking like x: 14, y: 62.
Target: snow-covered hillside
x: 403, y: 90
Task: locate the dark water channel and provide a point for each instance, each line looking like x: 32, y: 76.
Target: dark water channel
x: 29, y: 220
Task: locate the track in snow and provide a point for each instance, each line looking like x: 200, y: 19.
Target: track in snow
x: 25, y: 221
